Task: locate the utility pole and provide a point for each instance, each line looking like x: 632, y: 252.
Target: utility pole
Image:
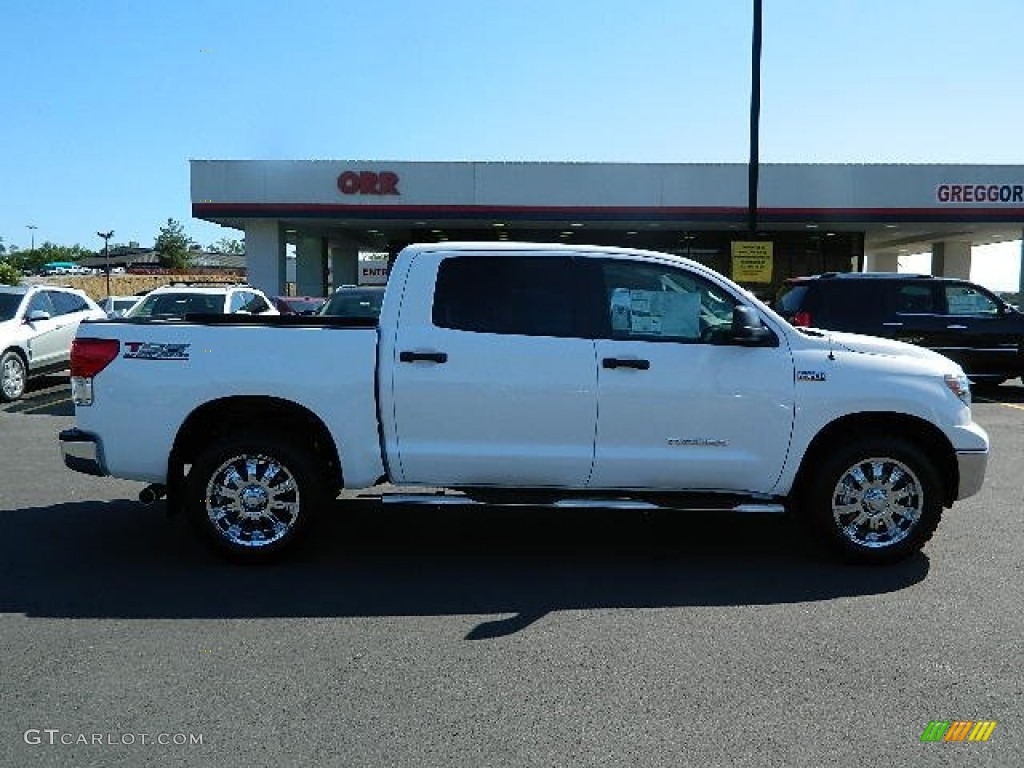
x: 32, y: 228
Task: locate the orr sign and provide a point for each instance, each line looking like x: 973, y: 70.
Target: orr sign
x: 368, y: 183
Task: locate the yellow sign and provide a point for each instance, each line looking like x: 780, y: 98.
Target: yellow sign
x: 752, y: 262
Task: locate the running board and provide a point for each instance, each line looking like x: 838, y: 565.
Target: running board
x: 579, y: 503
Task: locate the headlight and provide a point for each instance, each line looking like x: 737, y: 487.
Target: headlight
x: 960, y: 386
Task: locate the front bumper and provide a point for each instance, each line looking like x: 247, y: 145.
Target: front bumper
x: 972, y: 465
x: 82, y: 452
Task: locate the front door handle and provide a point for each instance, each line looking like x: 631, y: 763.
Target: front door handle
x: 957, y: 327
x: 620, y: 362
x: 430, y: 357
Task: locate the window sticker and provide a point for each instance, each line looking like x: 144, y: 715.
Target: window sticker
x: 655, y: 313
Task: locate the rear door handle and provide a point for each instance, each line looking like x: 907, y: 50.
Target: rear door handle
x: 957, y: 327
x: 430, y: 357
x: 620, y: 362
x: 893, y: 325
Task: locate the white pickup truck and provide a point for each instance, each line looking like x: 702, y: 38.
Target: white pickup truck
x: 530, y: 373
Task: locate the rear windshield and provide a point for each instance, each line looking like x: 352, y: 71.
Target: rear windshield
x: 354, y: 304
x: 790, y: 299
x: 177, y: 305
x: 304, y: 306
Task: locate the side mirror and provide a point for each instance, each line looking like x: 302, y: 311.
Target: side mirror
x: 36, y: 315
x: 748, y: 330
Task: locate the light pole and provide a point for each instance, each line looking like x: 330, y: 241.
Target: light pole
x: 753, y: 167
x: 32, y: 228
x: 106, y: 253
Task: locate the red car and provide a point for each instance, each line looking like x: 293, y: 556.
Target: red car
x: 298, y: 305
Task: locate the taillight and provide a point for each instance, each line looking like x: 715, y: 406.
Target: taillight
x: 90, y: 356
x: 802, y: 319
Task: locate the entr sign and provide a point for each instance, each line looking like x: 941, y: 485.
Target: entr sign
x: 368, y: 183
x: 980, y: 193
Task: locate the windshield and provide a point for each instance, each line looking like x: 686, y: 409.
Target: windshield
x: 177, y: 305
x: 354, y: 304
x: 9, y: 303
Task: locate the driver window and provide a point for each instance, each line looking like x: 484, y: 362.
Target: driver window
x: 41, y: 303
x: 654, y: 302
x: 965, y: 300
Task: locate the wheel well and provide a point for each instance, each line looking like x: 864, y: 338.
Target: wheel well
x: 20, y: 353
x: 219, y: 417
x: 925, y: 435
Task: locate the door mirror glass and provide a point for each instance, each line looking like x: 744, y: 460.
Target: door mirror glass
x: 747, y: 328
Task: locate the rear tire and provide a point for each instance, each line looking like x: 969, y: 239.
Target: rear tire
x: 13, y: 376
x: 252, y: 495
x: 874, y: 500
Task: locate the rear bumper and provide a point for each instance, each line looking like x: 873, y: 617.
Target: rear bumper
x: 972, y: 465
x: 82, y: 452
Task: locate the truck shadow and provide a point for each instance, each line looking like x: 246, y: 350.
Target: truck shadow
x: 121, y: 560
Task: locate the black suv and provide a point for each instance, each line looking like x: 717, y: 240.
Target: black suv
x: 960, y: 320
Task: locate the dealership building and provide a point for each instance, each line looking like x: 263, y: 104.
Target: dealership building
x: 342, y: 217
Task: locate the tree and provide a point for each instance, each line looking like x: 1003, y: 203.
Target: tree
x: 228, y: 245
x: 9, y: 274
x: 3, y: 248
x: 33, y: 260
x: 172, y: 246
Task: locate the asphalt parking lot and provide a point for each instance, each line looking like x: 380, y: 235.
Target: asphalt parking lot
x: 412, y: 636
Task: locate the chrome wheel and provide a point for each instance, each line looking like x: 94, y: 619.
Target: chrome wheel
x: 877, y: 502
x: 12, y: 376
x: 252, y: 501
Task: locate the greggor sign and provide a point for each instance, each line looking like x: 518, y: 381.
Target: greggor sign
x: 752, y: 261
x: 980, y: 193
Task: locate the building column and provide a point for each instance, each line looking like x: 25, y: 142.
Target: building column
x: 309, y: 267
x: 344, y: 264
x: 264, y: 256
x: 881, y: 262
x: 1020, y: 278
x: 951, y: 258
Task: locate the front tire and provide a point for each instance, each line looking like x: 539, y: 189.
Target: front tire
x: 252, y: 495
x: 13, y: 376
x: 875, y: 500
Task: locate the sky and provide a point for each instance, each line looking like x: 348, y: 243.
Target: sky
x: 106, y: 101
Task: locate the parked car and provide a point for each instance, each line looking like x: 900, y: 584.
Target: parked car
x: 173, y: 302
x: 956, y: 318
x: 298, y: 305
x: 116, y: 306
x: 354, y: 301
x: 37, y: 325
x: 539, y: 373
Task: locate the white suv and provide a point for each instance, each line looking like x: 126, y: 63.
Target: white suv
x: 37, y: 324
x: 173, y: 302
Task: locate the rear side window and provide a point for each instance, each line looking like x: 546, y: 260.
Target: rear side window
x: 854, y: 304
x: 915, y: 298
x: 527, y: 296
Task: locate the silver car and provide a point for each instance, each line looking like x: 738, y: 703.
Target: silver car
x: 37, y: 325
